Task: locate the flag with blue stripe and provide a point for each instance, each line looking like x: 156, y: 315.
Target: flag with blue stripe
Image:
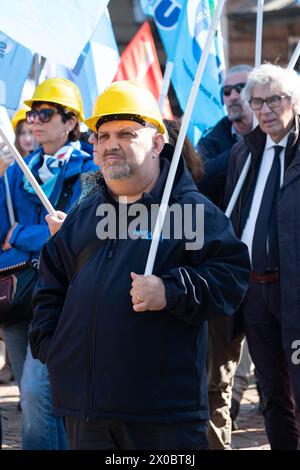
x: 192, y: 33
x: 15, y: 64
x: 183, y: 27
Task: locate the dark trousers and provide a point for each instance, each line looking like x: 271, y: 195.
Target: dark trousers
x: 222, y: 361
x: 113, y: 435
x: 263, y: 328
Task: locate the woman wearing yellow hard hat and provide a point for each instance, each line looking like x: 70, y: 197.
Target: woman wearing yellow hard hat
x: 55, y: 113
x: 24, y: 141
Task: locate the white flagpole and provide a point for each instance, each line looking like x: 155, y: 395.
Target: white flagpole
x: 294, y: 57
x: 238, y: 187
x: 259, y: 32
x: 20, y: 161
x: 37, y: 71
x: 182, y: 133
x: 166, y: 84
x: 9, y: 201
x: 258, y: 50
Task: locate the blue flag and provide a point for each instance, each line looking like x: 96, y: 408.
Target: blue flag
x: 192, y: 33
x: 15, y: 64
x: 96, y: 66
x: 183, y: 27
x: 166, y: 15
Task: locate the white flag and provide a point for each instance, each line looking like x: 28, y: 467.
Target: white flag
x: 56, y: 29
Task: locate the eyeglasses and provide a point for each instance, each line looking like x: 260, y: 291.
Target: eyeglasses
x: 273, y: 101
x: 44, y: 114
x: 227, y: 89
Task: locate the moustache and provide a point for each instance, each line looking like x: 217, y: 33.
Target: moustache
x: 234, y: 105
x: 110, y: 153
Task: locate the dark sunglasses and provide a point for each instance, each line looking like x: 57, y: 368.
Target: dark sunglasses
x: 44, y: 114
x: 227, y: 89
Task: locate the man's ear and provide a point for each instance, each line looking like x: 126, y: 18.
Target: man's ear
x: 158, y: 144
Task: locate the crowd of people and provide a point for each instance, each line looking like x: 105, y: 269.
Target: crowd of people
x: 109, y: 358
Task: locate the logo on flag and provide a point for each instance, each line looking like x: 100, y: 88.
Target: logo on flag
x: 166, y: 15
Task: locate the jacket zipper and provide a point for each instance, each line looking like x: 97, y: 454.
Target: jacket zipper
x: 14, y: 266
x: 92, y: 335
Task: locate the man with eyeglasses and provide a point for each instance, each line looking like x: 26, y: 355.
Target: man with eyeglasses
x: 223, y: 350
x: 266, y: 217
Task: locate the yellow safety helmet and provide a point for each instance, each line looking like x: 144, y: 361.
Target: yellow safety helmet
x: 128, y: 100
x: 60, y: 91
x: 19, y: 116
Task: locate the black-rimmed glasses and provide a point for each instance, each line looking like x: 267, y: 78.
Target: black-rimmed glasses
x: 273, y: 101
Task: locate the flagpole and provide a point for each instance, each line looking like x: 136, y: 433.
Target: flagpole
x: 9, y: 201
x: 165, y: 84
x: 259, y: 29
x: 294, y: 57
x: 182, y: 133
x: 20, y: 161
x: 258, y: 53
x: 37, y: 64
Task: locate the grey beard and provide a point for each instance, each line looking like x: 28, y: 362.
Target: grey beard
x: 236, y: 116
x: 118, y: 173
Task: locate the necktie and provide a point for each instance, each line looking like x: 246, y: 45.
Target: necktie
x: 264, y: 244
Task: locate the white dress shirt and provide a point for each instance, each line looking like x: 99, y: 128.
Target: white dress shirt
x: 265, y: 167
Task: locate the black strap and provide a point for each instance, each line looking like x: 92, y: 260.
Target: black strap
x: 66, y: 193
x: 86, y: 254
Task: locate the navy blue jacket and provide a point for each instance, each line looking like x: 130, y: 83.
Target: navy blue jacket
x: 214, y: 147
x: 288, y: 226
x: 105, y: 360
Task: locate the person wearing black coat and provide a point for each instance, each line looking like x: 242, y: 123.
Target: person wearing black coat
x: 266, y: 217
x: 223, y: 351
x: 138, y: 341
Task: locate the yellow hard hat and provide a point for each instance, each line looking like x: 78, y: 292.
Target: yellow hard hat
x: 126, y: 100
x: 19, y: 116
x: 60, y: 91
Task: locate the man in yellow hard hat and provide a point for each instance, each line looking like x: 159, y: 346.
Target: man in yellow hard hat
x: 54, y: 114
x: 139, y: 342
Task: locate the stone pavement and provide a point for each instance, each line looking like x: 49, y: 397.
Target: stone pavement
x: 250, y: 436
x: 251, y: 433
x: 9, y: 399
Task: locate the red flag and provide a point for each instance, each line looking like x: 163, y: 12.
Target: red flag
x: 139, y: 62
